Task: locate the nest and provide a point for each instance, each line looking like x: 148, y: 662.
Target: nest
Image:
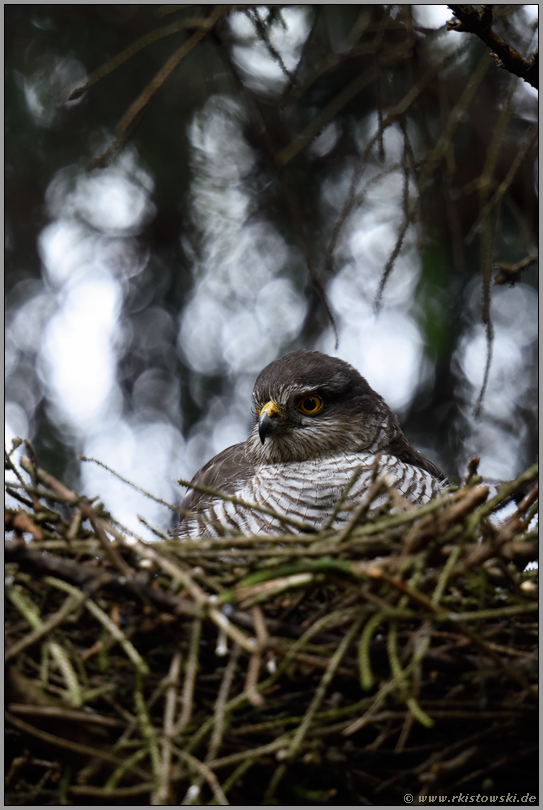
x: 395, y: 657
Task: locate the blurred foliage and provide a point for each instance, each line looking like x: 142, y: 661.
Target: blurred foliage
x: 315, y: 91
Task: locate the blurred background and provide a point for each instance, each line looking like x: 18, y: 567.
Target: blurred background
x: 236, y: 182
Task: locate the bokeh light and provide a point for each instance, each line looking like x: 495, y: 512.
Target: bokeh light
x: 144, y: 357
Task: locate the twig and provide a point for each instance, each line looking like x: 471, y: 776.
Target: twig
x: 303, y: 728
x: 163, y: 790
x: 104, y: 619
x: 510, y: 273
x: 394, y: 113
x: 27, y: 609
x: 220, y: 713
x: 191, y: 668
x: 146, y: 726
x: 127, y: 122
x: 261, y: 29
x: 203, y: 769
x: 69, y: 745
x: 135, y: 47
x: 506, y: 182
x: 107, y: 794
x: 40, y: 475
x: 65, y: 714
x: 123, y: 567
x: 71, y: 603
x: 479, y: 23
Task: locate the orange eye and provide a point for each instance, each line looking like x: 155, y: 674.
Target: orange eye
x: 310, y: 405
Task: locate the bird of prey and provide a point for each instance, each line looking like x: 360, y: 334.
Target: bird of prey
x: 321, y: 434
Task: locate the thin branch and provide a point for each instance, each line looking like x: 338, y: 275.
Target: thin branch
x: 136, y: 47
x: 479, y: 23
x: 127, y: 123
x: 394, y: 113
x: 263, y: 35
x: 506, y: 182
x: 85, y: 750
x: 510, y: 273
x: 71, y: 603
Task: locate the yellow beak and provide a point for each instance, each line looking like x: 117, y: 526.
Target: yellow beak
x: 268, y: 420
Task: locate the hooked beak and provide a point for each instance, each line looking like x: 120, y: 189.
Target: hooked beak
x: 268, y: 420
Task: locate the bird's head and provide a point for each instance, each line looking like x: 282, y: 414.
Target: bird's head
x: 309, y: 405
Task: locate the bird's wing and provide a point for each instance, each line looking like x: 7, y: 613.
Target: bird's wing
x: 226, y: 472
x: 400, y: 447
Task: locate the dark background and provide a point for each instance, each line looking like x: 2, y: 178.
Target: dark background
x: 155, y: 263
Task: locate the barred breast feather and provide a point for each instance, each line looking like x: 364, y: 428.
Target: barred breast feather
x: 308, y: 492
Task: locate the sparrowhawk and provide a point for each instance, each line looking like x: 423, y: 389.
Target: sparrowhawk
x: 320, y: 434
